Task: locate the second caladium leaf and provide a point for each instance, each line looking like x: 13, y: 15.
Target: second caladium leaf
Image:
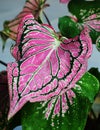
x: 47, y: 65
x: 87, y: 14
x: 83, y: 8
x: 93, y: 23
x: 71, y: 26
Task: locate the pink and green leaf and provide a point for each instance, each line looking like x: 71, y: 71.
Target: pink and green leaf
x: 82, y: 9
x: 33, y: 114
x: 71, y: 27
x: 93, y: 23
x: 47, y: 65
x: 88, y: 14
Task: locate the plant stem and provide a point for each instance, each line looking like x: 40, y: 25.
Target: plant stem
x: 47, y: 18
x: 3, y: 63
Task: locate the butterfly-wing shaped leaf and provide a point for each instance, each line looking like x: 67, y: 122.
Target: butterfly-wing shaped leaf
x: 47, y: 65
x: 33, y: 114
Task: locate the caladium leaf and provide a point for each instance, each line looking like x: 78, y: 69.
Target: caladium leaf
x: 88, y: 14
x: 71, y: 27
x: 93, y: 23
x: 31, y: 6
x: 47, y: 64
x: 33, y: 114
x: 4, y: 100
x: 82, y: 9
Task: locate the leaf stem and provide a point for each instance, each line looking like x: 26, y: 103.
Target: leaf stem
x: 46, y: 18
x: 3, y: 63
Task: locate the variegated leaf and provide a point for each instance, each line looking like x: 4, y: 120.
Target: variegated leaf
x: 88, y: 14
x: 82, y: 9
x: 93, y: 22
x: 73, y: 26
x: 47, y: 65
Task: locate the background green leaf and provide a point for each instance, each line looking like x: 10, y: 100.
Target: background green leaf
x: 33, y: 117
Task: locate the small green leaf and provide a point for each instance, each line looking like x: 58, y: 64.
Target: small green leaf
x: 68, y: 27
x: 33, y: 114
